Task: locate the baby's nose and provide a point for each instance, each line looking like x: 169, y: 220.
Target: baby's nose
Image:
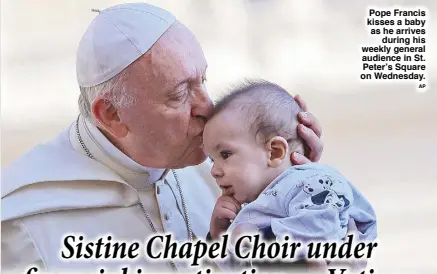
x: 216, y: 172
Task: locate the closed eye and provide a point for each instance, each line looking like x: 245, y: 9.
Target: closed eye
x: 181, y: 96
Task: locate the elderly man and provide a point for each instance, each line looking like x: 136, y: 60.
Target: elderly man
x: 132, y: 164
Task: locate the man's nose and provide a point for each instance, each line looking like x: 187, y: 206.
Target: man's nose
x: 202, y: 105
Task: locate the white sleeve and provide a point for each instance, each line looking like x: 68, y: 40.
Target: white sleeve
x: 18, y: 249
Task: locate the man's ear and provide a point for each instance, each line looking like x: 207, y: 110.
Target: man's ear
x: 277, y: 148
x: 108, y: 117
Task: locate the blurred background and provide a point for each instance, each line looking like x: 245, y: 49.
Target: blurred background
x: 383, y: 137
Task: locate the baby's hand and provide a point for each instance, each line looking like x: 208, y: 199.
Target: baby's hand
x: 225, y: 210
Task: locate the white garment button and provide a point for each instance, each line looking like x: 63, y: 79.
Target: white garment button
x: 166, y: 216
x: 158, y: 190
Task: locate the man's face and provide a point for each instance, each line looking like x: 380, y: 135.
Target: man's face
x: 240, y: 164
x: 165, y: 125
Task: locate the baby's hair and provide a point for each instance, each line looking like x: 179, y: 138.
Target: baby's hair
x: 268, y: 108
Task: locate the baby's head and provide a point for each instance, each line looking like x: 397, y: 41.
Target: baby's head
x: 250, y: 136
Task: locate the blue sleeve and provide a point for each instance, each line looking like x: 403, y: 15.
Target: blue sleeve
x: 318, y: 212
x: 319, y: 223
x: 364, y: 216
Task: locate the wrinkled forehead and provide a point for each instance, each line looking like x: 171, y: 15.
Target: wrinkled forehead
x: 175, y: 57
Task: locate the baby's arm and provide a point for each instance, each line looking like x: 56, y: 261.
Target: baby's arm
x: 317, y: 223
x: 317, y: 212
x: 242, y: 230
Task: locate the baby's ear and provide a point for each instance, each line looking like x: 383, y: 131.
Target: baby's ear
x: 277, y: 148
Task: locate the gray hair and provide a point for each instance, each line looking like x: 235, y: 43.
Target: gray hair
x: 115, y: 88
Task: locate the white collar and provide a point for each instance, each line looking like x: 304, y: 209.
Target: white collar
x: 104, y: 151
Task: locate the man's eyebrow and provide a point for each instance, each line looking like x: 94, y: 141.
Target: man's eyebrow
x: 180, y: 84
x: 186, y: 80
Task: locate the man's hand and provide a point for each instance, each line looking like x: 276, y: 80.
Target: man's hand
x: 311, y: 131
x: 225, y: 210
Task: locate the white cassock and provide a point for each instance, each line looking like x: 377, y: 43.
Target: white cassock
x: 56, y: 190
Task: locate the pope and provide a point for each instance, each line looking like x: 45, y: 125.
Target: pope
x: 132, y: 164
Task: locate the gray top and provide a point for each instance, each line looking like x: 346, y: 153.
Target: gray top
x: 311, y: 202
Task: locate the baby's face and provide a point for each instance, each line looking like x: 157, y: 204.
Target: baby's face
x: 240, y: 164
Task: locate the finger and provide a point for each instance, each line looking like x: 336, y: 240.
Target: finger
x: 309, y: 120
x: 226, y: 214
x: 231, y: 206
x: 232, y: 200
x: 313, y: 142
x: 228, y: 192
x: 301, y: 102
x: 299, y: 159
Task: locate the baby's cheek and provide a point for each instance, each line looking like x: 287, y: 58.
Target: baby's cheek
x: 239, y: 178
x: 245, y: 174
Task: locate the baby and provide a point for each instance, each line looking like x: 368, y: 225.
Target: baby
x: 250, y: 137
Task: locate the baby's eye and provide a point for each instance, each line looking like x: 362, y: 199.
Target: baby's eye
x: 225, y: 154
